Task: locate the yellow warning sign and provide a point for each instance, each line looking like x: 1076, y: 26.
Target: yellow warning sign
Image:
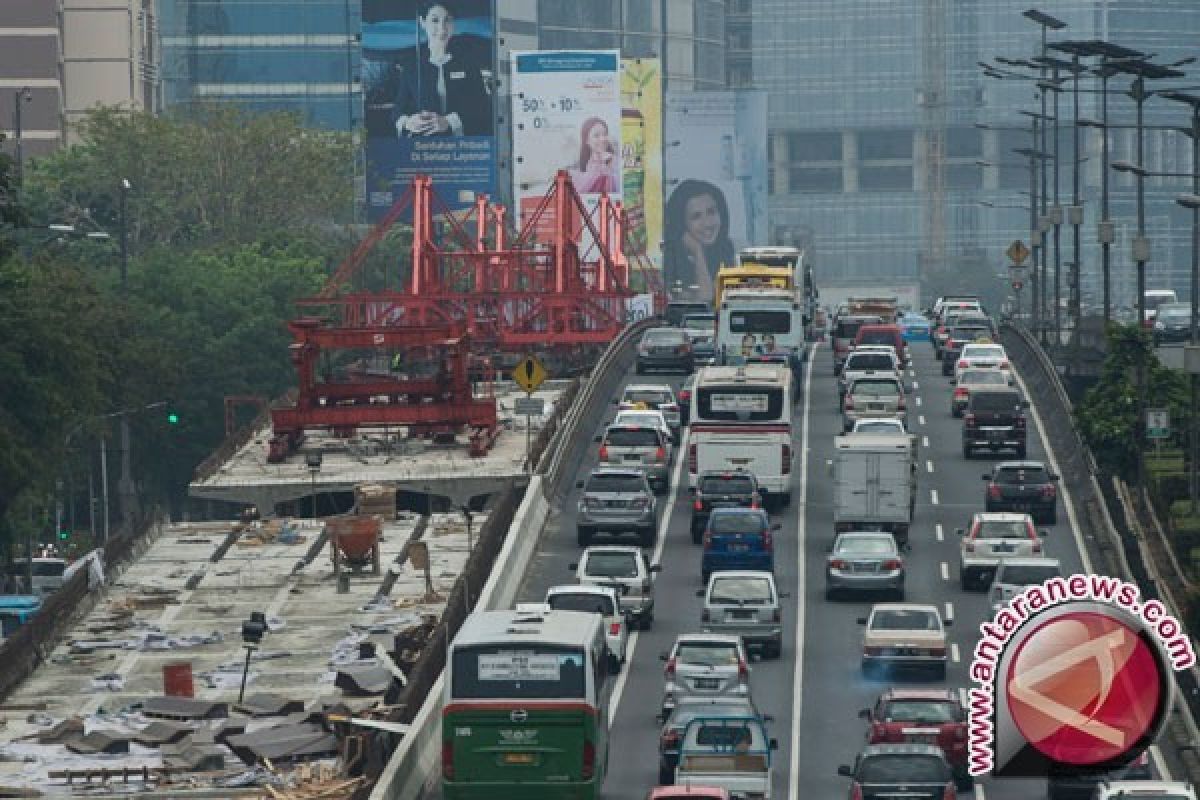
x: 529, y: 374
x: 1017, y: 252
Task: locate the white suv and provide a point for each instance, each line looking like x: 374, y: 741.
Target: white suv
x: 1144, y: 790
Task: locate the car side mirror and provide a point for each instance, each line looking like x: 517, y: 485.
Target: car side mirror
x: 597, y: 439
x: 777, y: 526
x: 1043, y: 533
x: 656, y: 567
x: 864, y: 713
x: 768, y: 718
x: 951, y: 381
x: 785, y: 595
x: 1054, y: 477
x: 862, y: 620
x: 844, y: 770
x: 664, y: 656
x: 572, y: 567
x: 906, y: 547
x: 691, y: 490
x: 773, y: 744
x: 578, y: 484
x: 960, y: 531
x: 986, y: 476
x: 1024, y: 404
x: 946, y: 623
x: 700, y: 593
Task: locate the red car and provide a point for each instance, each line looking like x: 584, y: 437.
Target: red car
x: 924, y: 716
x: 883, y: 334
x: 687, y: 793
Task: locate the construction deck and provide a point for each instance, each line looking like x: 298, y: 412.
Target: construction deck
x: 381, y: 456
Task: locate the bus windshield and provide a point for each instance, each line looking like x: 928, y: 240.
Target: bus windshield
x: 740, y: 403
x: 760, y: 321
x: 525, y: 671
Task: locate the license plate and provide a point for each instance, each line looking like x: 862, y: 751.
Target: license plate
x: 863, y: 566
x: 1003, y: 548
x: 706, y: 683
x: 738, y: 548
x: 632, y: 457
x: 520, y: 759
x: 743, y: 614
x: 921, y: 739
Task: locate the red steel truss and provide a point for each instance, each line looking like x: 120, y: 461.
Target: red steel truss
x: 561, y: 285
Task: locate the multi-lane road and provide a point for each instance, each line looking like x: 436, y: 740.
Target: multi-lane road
x: 816, y: 689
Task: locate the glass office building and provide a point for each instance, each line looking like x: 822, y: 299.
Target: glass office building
x: 846, y: 81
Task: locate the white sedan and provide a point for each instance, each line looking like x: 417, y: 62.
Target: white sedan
x: 988, y: 356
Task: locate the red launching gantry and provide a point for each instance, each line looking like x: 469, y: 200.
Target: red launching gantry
x: 462, y: 303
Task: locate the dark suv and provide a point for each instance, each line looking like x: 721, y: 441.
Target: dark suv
x: 665, y: 348
x: 994, y: 419
x: 1023, y: 486
x: 913, y: 771
x: 960, y: 335
x: 721, y: 489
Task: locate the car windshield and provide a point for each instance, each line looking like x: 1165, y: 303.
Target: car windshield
x: 905, y: 620
x: 848, y: 328
x: 730, y: 735
x: 606, y: 484
x: 1174, y: 313
x: 971, y: 332
x: 923, y: 711
x: 637, y: 417
x: 873, y: 545
x: 632, y: 437
x: 651, y: 397
x: 611, y: 565
x: 906, y: 768
x: 995, y: 401
x: 983, y: 377
x: 1027, y: 574
x: 1022, y: 475
x: 878, y: 426
x: 590, y: 603
x: 699, y: 321
x: 732, y: 484
x: 685, y: 712
x: 982, y: 351
x: 870, y: 361
x: 662, y: 336
x: 996, y: 529
x: 877, y: 337
x: 876, y: 388
x: 737, y: 523
x: 707, y: 654
x: 756, y: 591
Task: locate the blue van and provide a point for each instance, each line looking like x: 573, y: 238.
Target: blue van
x: 738, y: 538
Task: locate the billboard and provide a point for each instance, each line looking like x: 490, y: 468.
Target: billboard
x: 566, y: 115
x: 427, y: 72
x: 641, y: 155
x: 716, y: 171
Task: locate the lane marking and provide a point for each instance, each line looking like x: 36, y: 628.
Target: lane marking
x: 664, y: 525
x: 918, y: 400
x: 920, y: 419
x: 798, y: 669
x: 929, y: 466
x: 1084, y: 559
x: 954, y: 655
x: 933, y: 496
x: 945, y: 571
x: 924, y: 441
x: 979, y: 795
x: 1160, y: 763
x: 962, y: 696
x: 941, y: 535
x: 949, y: 610
x: 915, y: 385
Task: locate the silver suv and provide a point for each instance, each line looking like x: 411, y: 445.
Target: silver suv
x: 704, y: 664
x: 745, y: 603
x: 1015, y: 575
x: 629, y: 571
x: 874, y: 397
x: 656, y: 396
x: 643, y: 447
x: 616, y: 501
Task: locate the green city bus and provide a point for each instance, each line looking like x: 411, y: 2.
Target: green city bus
x: 525, y: 712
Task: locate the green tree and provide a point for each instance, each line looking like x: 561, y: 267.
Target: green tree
x: 1108, y: 414
x: 11, y: 215
x: 218, y: 175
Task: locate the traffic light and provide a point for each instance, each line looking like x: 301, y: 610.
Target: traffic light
x: 64, y: 535
x: 172, y: 416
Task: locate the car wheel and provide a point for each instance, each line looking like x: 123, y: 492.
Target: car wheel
x: 648, y: 536
x: 666, y: 775
x: 583, y: 536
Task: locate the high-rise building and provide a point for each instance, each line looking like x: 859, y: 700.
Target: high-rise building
x: 59, y: 59
x: 852, y: 96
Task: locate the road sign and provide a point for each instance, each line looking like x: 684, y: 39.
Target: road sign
x: 529, y: 374
x: 1017, y: 252
x: 529, y: 406
x: 1158, y: 423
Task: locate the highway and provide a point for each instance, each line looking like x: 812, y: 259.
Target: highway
x: 816, y: 689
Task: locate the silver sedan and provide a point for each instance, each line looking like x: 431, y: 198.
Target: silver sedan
x: 864, y: 561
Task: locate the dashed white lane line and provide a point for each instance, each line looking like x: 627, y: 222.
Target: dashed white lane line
x: 929, y: 466
x: 945, y: 571
x: 918, y: 401
x: 798, y: 668
x: 933, y: 496
x: 664, y: 525
x: 915, y: 386
x: 941, y: 535
x: 954, y: 654
x: 924, y: 441
x: 1160, y: 763
x: 979, y: 795
x: 949, y: 610
x: 920, y: 419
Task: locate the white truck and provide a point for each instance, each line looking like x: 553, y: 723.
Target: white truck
x: 874, y: 483
x: 730, y: 753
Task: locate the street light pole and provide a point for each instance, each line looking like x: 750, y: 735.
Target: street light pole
x: 1076, y: 216
x: 1141, y: 254
x: 125, y: 485
x: 1057, y: 219
x: 1035, y: 236
x: 23, y: 95
x: 1105, y: 231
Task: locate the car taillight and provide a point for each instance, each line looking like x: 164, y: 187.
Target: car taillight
x: 685, y: 397
x: 1004, y: 365
x: 743, y: 671
x: 669, y: 740
x: 901, y: 403
x: 708, y: 538
x: 962, y: 363
x: 960, y: 393
x: 683, y: 348
x: 697, y: 505
x: 1037, y: 547
x: 604, y: 452
x: 768, y: 543
x: 892, y: 563
x: 589, y: 761
x: 1049, y: 492
x: 777, y: 615
x: 660, y: 454
x: 872, y: 651
x: 692, y: 459
x: 969, y: 420
x: 969, y: 546
x: 448, y: 760
x: 936, y: 651
x: 786, y: 455
x: 948, y: 793
x: 614, y: 629
x: 639, y: 502
x: 993, y: 491
x: 754, y: 500
x: 838, y: 563
x: 669, y: 670
x: 856, y: 792
x: 848, y: 405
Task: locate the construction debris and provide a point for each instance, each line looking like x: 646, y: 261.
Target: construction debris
x: 375, y: 498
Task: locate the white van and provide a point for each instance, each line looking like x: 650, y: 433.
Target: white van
x: 1158, y: 297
